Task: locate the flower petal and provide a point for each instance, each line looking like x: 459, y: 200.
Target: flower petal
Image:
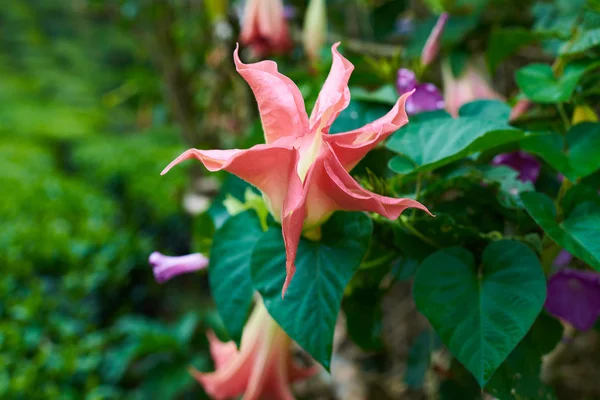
x: 265, y: 166
x: 432, y: 46
x: 292, y: 221
x: 346, y: 194
x: 167, y: 267
x: 335, y: 95
x: 574, y: 296
x: 279, y: 101
x: 221, y: 352
x: 351, y: 147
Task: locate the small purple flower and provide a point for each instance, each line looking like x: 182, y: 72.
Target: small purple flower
x: 563, y: 259
x: 527, y: 166
x: 574, y: 297
x: 427, y: 97
x: 167, y: 267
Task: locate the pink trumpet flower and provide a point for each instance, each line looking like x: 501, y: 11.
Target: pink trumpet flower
x: 264, y: 27
x: 263, y: 368
x: 302, y: 170
x: 432, y: 46
x: 473, y: 84
x: 167, y: 267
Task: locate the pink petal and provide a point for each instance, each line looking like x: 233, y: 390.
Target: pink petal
x: 221, y: 353
x: 335, y: 95
x: 346, y: 194
x: 265, y: 166
x: 351, y: 147
x: 297, y: 373
x: 292, y: 222
x: 279, y: 101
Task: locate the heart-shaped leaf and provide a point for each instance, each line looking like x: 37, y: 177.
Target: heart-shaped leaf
x: 583, y: 156
x: 538, y: 82
x: 433, y: 143
x: 323, y: 269
x: 229, y: 271
x: 481, y: 312
x: 578, y: 233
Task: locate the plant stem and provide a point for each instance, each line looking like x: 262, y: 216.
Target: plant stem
x: 563, y: 116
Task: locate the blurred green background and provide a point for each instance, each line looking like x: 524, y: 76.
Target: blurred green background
x: 84, y: 134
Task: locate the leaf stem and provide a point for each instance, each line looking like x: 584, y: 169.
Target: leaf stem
x: 416, y: 232
x: 563, y: 116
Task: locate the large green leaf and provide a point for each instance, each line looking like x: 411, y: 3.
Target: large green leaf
x: 578, y: 233
x: 487, y: 109
x: 229, y: 271
x: 538, y: 82
x: 481, y: 312
x: 583, y: 156
x: 433, y: 143
x: 518, y: 377
x: 323, y: 269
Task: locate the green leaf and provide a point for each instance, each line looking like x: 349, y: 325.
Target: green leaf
x: 481, y: 312
x: 584, y: 42
x: 519, y: 376
x: 358, y: 114
x: 488, y: 109
x: 506, y: 41
x: 538, y: 83
x: 323, y: 269
x: 229, y: 272
x: 577, y: 233
x: 431, y: 144
x: 386, y: 94
x: 583, y: 157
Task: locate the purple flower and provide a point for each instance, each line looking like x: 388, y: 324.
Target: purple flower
x: 574, y: 296
x: 427, y: 97
x: 527, y: 166
x: 563, y: 259
x: 167, y: 267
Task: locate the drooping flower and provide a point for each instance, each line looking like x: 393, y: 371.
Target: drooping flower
x: 527, y: 165
x: 167, y: 267
x: 264, y: 27
x: 263, y: 368
x: 314, y: 32
x: 574, y: 297
x: 473, y: 84
x: 426, y: 96
x: 432, y: 45
x: 302, y: 170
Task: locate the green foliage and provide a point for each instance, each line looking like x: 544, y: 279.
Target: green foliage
x: 309, y: 310
x: 481, y: 312
x: 231, y: 256
x: 519, y: 376
x: 434, y: 143
x: 576, y: 233
x: 539, y: 83
x: 583, y: 144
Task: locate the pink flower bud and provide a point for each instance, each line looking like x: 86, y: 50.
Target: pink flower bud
x: 432, y: 46
x: 264, y: 27
x: 314, y: 33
